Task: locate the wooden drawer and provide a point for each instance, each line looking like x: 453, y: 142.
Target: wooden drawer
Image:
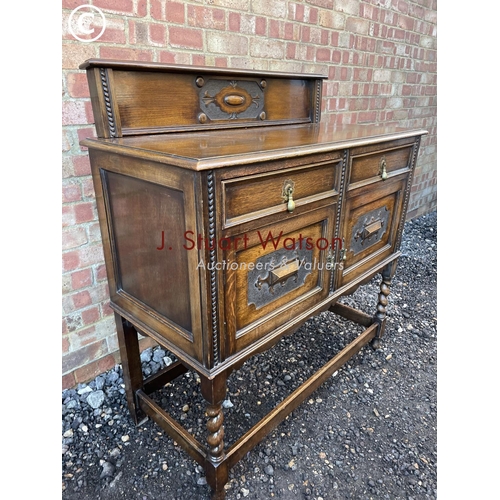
x: 372, y: 164
x: 277, y: 272
x: 255, y: 196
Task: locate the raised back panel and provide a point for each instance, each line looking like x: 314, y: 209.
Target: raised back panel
x: 145, y: 98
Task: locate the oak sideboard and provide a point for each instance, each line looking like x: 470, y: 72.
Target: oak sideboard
x: 230, y: 214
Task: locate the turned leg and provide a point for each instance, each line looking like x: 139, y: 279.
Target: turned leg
x: 214, y: 392
x: 131, y: 363
x: 380, y: 315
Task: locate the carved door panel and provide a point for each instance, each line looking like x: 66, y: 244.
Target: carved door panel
x: 275, y: 273
x: 372, y: 220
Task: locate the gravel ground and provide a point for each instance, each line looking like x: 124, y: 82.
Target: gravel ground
x: 368, y: 432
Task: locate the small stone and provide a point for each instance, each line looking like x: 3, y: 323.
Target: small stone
x: 164, y: 466
x: 95, y: 399
x: 377, y: 414
x: 388, y: 357
x: 202, y: 481
x: 146, y: 355
x: 168, y: 361
x: 158, y: 355
x: 125, y: 438
x: 269, y: 470
x: 108, y: 470
x: 68, y: 433
x: 99, y: 382
x: 227, y: 403
x: 245, y: 492
x: 84, y: 390
x: 185, y: 408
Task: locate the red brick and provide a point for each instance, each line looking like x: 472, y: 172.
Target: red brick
x: 71, y: 261
x: 117, y: 6
x: 90, y: 315
x: 85, y: 133
x: 81, y: 299
x: 156, y: 10
x: 275, y: 29
x: 299, y: 12
x: 68, y: 381
x: 292, y: 31
x: 175, y: 12
x: 73, y: 237
x: 323, y: 54
x: 313, y: 16
x: 221, y: 62
x: 260, y: 25
x: 84, y: 212
x: 198, y: 60
x: 77, y: 85
x: 290, y: 50
x: 142, y: 8
x: 234, y: 21
x: 185, y: 37
x: 71, y: 192
x: 81, y: 165
x: 158, y: 34
x: 81, y: 279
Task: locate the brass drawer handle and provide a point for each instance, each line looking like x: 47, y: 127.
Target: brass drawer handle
x: 287, y: 195
x: 383, y: 168
x: 279, y: 274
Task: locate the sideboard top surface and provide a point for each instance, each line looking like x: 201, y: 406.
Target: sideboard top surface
x: 216, y: 149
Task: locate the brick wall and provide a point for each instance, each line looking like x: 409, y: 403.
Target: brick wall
x: 380, y: 56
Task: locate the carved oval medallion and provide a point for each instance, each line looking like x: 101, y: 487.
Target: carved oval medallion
x: 234, y: 99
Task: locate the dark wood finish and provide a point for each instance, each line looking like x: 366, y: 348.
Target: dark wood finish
x: 229, y: 216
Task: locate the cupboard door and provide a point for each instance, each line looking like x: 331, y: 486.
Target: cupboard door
x: 372, y: 218
x: 275, y: 273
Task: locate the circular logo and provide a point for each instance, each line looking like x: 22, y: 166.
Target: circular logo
x: 81, y: 20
